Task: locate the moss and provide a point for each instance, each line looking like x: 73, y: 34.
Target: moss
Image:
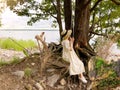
x: 28, y: 72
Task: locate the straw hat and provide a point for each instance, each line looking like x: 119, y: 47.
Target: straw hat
x: 65, y: 34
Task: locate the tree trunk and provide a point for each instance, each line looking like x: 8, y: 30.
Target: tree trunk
x: 68, y: 14
x: 81, y: 31
x: 59, y: 17
x: 82, y: 16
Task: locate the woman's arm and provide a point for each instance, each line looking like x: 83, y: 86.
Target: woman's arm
x: 71, y: 42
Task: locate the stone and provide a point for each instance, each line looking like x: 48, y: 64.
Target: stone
x: 117, y: 88
x: 28, y: 87
x: 117, y: 67
x: 20, y: 74
x: 32, y: 64
x: 39, y: 86
x: 62, y: 82
x: 52, y: 80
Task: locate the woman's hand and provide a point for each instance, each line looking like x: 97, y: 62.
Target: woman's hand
x: 71, y: 39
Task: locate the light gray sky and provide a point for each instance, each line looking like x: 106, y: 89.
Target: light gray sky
x: 11, y: 21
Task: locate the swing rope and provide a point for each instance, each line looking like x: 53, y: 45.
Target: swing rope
x: 26, y: 51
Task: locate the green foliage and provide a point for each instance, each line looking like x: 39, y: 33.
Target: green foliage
x: 28, y: 72
x: 110, y: 81
x: 9, y: 44
x: 108, y: 74
x: 99, y: 63
x: 35, y: 10
x: 106, y: 17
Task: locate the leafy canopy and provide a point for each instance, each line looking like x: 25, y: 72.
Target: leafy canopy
x: 104, y: 19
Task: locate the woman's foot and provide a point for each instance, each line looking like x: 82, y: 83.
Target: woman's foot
x: 82, y: 78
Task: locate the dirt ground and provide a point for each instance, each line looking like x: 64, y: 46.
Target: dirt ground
x: 33, y: 80
x: 9, y: 81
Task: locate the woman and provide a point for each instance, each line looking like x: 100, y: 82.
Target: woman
x: 76, y: 65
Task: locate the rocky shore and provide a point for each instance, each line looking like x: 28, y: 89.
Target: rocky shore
x: 7, y: 55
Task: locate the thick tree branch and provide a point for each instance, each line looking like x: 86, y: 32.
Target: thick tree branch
x: 95, y: 5
x: 116, y: 2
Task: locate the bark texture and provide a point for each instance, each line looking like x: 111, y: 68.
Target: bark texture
x: 68, y: 14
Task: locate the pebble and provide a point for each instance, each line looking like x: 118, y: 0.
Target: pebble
x: 39, y: 86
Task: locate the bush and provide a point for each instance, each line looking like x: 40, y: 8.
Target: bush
x: 110, y: 81
x: 99, y: 63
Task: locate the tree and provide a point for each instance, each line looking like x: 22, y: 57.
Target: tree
x: 92, y: 17
x: 2, y: 5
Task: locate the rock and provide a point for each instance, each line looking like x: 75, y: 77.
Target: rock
x: 52, y: 80
x: 39, y: 86
x: 60, y: 87
x: 117, y: 68
x: 8, y: 55
x: 20, y: 74
x: 91, y: 69
x: 32, y: 64
x: 50, y: 70
x: 28, y: 87
x: 62, y: 82
x: 113, y: 53
x: 117, y: 88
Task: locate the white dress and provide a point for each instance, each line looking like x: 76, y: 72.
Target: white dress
x: 76, y: 65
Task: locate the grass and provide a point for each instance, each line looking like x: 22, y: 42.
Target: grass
x: 9, y: 44
x: 28, y: 72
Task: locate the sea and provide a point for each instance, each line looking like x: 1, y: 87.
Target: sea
x: 51, y: 35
